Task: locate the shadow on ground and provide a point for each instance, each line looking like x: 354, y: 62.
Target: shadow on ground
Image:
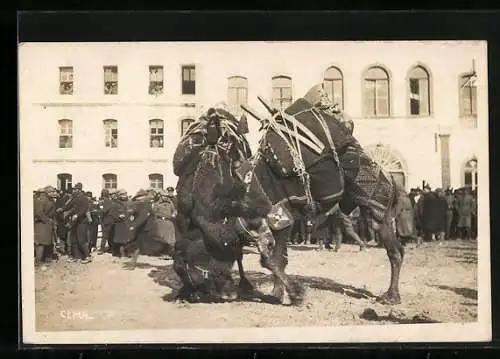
x: 371, y: 315
x: 166, y: 276
x: 464, y: 292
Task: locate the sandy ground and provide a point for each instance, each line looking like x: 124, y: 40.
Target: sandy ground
x: 438, y: 283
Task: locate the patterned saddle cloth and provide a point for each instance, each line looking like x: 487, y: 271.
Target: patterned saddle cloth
x: 372, y: 187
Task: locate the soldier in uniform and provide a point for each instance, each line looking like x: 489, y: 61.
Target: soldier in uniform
x: 93, y: 219
x: 77, y: 212
x: 141, y: 208
x: 44, y: 222
x: 164, y: 213
x: 120, y: 215
x: 106, y: 220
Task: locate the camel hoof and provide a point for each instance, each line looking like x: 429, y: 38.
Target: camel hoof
x: 389, y: 298
x: 246, y: 286
x: 297, y: 294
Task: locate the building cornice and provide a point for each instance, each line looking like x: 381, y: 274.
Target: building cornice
x: 100, y: 160
x: 109, y: 104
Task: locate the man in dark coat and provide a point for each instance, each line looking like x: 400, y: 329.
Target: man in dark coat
x: 121, y: 215
x: 44, y: 221
x: 141, y: 209
x: 93, y: 219
x: 450, y: 212
x: 106, y: 220
x: 433, y: 214
x: 77, y: 212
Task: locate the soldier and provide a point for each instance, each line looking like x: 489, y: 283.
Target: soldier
x: 164, y: 213
x: 93, y: 221
x: 140, y: 210
x: 77, y: 212
x: 44, y: 221
x: 106, y: 220
x: 120, y: 214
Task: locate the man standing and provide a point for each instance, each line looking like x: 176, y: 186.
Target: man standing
x: 77, y: 211
x: 465, y: 206
x: 450, y: 210
x: 93, y: 220
x: 106, y: 220
x: 44, y: 221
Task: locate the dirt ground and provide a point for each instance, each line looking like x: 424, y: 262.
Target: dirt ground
x: 438, y: 284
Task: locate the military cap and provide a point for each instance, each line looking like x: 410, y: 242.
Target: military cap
x: 78, y: 186
x: 170, y: 189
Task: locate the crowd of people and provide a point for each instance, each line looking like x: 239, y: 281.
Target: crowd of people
x: 437, y: 215
x: 67, y: 223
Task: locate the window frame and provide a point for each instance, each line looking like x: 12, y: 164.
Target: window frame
x: 410, y: 94
x: 373, y: 80
x: 160, y: 137
x: 156, y: 88
x: 105, y: 181
x: 106, y: 123
x: 152, y: 180
x: 281, y: 88
x: 65, y: 134
x: 69, y: 83
x: 238, y: 88
x: 113, y: 89
x: 467, y: 118
x: 188, y: 87
x: 339, y: 78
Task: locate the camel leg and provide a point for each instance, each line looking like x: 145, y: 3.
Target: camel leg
x: 135, y: 256
x: 276, y: 264
x: 395, y: 252
x: 244, y: 284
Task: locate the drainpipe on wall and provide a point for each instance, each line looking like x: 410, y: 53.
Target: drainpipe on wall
x: 444, y: 140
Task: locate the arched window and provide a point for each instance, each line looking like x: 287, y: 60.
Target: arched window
x: 470, y: 174
x: 376, y: 94
x: 64, y: 182
x: 110, y: 181
x: 185, y: 123
x: 237, y: 94
x: 468, y: 96
x: 156, y: 133
x: 418, y: 82
x: 156, y: 181
x: 282, y: 92
x: 334, y: 85
x: 111, y: 133
x: 65, y: 134
x: 390, y: 160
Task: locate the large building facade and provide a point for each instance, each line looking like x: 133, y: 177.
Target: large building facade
x: 110, y: 115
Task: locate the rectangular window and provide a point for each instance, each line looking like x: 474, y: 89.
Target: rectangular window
x: 188, y: 80
x: 237, y: 96
x: 185, y: 125
x: 156, y: 134
x: 66, y: 80
x: 419, y: 96
x: 65, y: 134
x: 156, y: 181
x: 110, y: 80
x: 111, y: 134
x: 110, y: 181
x: 155, y: 80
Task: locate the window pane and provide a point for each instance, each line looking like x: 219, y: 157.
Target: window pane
x: 424, y: 96
x: 382, y: 94
x: 156, y: 73
x: 419, y: 73
x: 369, y: 98
x: 337, y: 93
x: 473, y: 100
x: 328, y: 86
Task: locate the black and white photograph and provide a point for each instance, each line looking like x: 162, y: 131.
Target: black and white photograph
x: 254, y: 192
